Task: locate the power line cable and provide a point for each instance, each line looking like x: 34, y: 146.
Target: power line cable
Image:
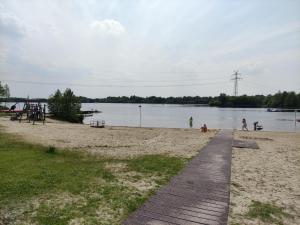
x: 167, y: 80
x: 106, y: 85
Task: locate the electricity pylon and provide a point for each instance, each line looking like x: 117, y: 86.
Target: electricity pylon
x: 236, y: 78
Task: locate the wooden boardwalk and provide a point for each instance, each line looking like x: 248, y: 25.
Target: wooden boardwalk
x: 199, y: 194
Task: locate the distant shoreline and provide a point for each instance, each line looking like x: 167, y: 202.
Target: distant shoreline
x: 273, y: 109
x: 280, y: 100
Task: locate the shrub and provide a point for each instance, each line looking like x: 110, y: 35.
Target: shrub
x: 51, y: 150
x: 65, y: 106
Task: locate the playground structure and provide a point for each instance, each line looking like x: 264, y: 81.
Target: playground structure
x: 34, y: 112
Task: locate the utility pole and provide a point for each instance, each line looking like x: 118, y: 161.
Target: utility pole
x: 236, y: 78
x: 140, y: 115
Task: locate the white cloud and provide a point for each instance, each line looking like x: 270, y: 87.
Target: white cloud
x: 107, y: 27
x: 124, y: 42
x: 10, y: 24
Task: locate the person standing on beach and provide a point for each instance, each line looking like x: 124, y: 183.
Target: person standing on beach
x: 244, y: 124
x: 191, y: 122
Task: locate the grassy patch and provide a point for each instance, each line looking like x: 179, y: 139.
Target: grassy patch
x: 159, y: 164
x: 45, y: 185
x: 2, y: 114
x: 266, y: 212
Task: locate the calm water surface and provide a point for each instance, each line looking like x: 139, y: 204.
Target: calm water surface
x: 176, y: 116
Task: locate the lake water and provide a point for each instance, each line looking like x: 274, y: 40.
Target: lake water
x: 177, y: 116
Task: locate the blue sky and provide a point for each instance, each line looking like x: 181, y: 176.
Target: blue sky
x: 166, y: 48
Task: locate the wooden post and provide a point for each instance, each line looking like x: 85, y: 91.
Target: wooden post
x: 44, y: 114
x: 140, y: 115
x: 295, y: 120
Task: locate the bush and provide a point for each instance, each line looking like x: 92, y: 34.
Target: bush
x: 65, y: 106
x: 51, y: 150
x: 3, y: 107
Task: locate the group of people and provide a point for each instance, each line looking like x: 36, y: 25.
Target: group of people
x: 255, y: 124
x: 203, y: 128
x: 244, y: 125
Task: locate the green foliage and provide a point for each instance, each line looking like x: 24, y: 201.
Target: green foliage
x: 3, y: 107
x: 4, y: 91
x: 149, y: 100
x: 266, y: 212
x: 51, y: 150
x: 65, y: 106
x: 158, y: 164
x: 28, y: 174
x: 279, y: 100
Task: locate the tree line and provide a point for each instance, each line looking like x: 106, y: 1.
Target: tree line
x: 284, y: 99
x: 149, y: 100
x: 279, y: 100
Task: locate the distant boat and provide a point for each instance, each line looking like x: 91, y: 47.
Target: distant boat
x: 273, y: 110
x: 282, y: 110
x: 90, y: 111
x: 87, y: 115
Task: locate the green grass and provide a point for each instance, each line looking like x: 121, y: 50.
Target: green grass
x: 266, y: 212
x: 2, y: 114
x: 159, y: 165
x: 45, y: 185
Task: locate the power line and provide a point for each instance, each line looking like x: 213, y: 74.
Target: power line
x: 165, y: 81
x: 236, y: 78
x: 211, y: 78
x: 107, y: 85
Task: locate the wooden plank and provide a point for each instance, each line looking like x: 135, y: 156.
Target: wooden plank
x: 190, y: 192
x: 199, y: 194
x: 245, y: 144
x: 183, y: 202
x: 205, y: 211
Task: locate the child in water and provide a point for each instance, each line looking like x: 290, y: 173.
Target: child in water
x: 244, y: 124
x: 191, y: 122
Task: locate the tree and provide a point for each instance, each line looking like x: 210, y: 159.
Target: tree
x: 6, y: 91
x: 65, y: 106
x: 54, y: 104
x: 223, y: 99
x: 2, y: 91
x: 290, y: 101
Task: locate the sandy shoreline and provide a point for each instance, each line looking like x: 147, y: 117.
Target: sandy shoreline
x: 269, y: 174
x: 122, y: 142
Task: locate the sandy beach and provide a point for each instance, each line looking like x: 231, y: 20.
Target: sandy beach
x: 121, y: 142
x: 270, y: 174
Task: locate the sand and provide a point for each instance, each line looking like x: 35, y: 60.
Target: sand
x: 121, y: 142
x: 269, y: 174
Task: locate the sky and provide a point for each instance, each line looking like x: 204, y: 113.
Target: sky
x: 101, y: 48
